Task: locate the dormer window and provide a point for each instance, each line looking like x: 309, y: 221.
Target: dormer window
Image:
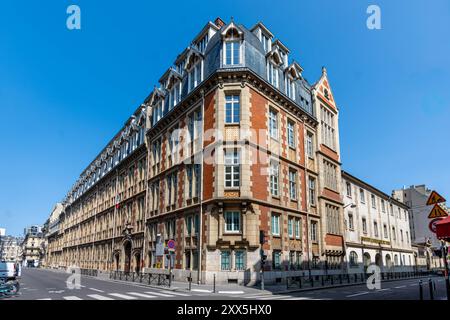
x: 232, y: 38
x: 266, y: 43
x: 272, y: 73
x: 290, y: 87
x: 195, y: 75
x: 157, y: 112
x: 201, y: 45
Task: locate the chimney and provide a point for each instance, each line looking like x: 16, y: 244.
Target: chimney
x: 219, y: 22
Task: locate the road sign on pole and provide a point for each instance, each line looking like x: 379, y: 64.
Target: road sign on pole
x: 435, y: 198
x: 437, y: 212
x: 171, y: 245
x: 432, y: 224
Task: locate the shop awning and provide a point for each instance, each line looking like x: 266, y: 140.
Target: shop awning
x: 443, y: 229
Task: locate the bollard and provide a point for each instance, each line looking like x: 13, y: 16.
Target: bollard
x: 300, y: 283
x: 430, y: 286
x: 332, y: 277
x: 214, y: 283
x: 348, y: 277
x: 190, y: 280
x: 323, y: 283
x: 287, y: 283
x: 340, y: 278
x: 312, y: 281
x: 420, y: 290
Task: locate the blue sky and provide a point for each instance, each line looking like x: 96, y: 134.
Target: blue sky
x: 64, y: 94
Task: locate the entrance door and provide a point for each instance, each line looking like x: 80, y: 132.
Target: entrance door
x: 137, y: 257
x: 127, y: 249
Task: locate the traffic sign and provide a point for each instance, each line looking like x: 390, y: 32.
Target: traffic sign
x: 171, y: 244
x: 435, y: 198
x: 437, y: 212
x: 432, y: 224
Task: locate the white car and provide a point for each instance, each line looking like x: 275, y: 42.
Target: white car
x: 9, y: 270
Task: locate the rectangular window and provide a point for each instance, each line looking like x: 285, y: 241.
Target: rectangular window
x: 310, y: 144
x: 232, y: 221
x: 327, y: 126
x: 375, y: 229
x: 274, y: 172
x: 189, y: 225
x: 190, y: 180
x: 333, y: 219
x: 350, y: 221
x: 361, y: 196
x: 290, y: 134
x: 349, y: 189
x: 293, y: 184
x: 225, y: 260
x: 240, y: 260
x: 273, y: 124
x: 383, y: 205
x: 330, y: 175
x: 232, y: 109
x: 312, y: 191
x: 291, y: 227
x: 232, y: 169
x: 374, y: 205
x: 364, y: 225
x: 275, y: 225
x: 385, y: 232
x: 272, y: 74
x: 276, y: 259
x: 314, y: 231
x: 297, y: 228
x: 232, y: 52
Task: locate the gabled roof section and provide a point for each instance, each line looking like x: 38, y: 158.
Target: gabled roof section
x: 295, y: 69
x: 280, y: 45
x: 275, y: 55
x: 192, y: 52
x: 170, y: 75
x: 232, y: 27
x: 209, y: 25
x: 323, y: 89
x: 263, y: 29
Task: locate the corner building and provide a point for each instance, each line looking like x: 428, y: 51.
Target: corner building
x: 234, y: 149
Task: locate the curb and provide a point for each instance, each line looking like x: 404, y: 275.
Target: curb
x: 339, y: 286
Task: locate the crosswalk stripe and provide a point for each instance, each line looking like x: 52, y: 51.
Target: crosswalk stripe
x: 176, y: 293
x: 357, y: 294
x: 99, y: 297
x: 72, y: 298
x: 142, y: 295
x: 274, y: 297
x: 122, y: 296
x: 45, y: 299
x: 160, y: 294
x: 98, y: 290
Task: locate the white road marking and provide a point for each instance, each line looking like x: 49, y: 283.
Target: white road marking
x: 202, y: 290
x: 387, y: 289
x: 412, y: 285
x: 99, y: 297
x: 399, y: 287
x: 45, y: 299
x: 275, y: 297
x: 98, y: 290
x: 176, y: 293
x: 301, y: 298
x: 72, y: 298
x: 142, y: 295
x: 160, y: 294
x: 122, y: 296
x: 357, y: 294
x: 232, y: 292
x: 256, y: 297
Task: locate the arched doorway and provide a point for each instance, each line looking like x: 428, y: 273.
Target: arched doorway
x: 388, y: 261
x: 127, y: 250
x: 137, y: 262
x: 366, y: 261
x: 117, y: 260
x: 378, y: 260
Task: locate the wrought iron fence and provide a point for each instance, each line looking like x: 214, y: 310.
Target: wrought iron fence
x: 89, y: 272
x: 159, y: 279
x: 346, y: 278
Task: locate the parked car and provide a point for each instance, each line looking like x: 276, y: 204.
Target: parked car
x: 9, y: 272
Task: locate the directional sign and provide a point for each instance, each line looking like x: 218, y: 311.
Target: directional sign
x: 435, y: 198
x: 432, y: 224
x: 437, y: 212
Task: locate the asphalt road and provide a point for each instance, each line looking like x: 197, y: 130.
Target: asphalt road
x: 40, y: 284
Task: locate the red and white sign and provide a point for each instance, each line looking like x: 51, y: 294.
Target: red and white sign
x: 432, y: 224
x: 171, y: 244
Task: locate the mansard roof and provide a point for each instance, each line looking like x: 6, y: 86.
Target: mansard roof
x: 278, y: 43
x: 171, y: 72
x: 295, y: 68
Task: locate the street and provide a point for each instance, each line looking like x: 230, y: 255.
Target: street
x: 41, y: 284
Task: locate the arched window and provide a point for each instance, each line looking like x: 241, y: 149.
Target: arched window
x: 388, y: 261
x: 395, y: 260
x: 353, y: 259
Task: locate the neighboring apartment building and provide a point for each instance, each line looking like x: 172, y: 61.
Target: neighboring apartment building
x: 377, y: 229
x: 10, y: 248
x: 106, y: 205
x: 53, y: 238
x: 32, y: 246
x: 236, y: 142
x: 416, y: 198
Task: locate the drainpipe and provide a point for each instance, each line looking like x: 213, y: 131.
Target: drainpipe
x: 307, y: 204
x: 200, y: 233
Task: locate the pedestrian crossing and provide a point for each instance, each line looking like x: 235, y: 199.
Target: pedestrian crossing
x: 132, y: 295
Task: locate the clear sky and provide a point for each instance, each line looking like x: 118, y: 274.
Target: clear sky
x: 64, y: 94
